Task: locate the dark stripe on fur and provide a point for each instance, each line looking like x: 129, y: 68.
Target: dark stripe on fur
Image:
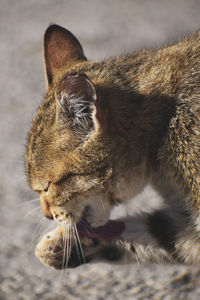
x: 162, y: 228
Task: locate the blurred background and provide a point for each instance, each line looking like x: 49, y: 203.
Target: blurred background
x: 105, y: 28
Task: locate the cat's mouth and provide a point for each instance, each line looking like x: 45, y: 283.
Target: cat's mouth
x: 109, y: 230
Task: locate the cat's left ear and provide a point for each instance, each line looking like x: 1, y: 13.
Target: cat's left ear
x: 77, y: 103
x: 61, y: 49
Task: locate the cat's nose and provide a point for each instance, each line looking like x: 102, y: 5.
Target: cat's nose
x: 46, y: 209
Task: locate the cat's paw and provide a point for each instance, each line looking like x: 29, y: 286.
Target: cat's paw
x: 51, y: 248
x: 60, y: 251
x: 55, y: 250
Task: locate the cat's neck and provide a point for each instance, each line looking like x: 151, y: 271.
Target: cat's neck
x: 139, y: 121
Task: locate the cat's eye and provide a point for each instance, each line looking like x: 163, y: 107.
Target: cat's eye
x: 65, y: 178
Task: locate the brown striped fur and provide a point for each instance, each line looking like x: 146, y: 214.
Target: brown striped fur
x: 106, y: 129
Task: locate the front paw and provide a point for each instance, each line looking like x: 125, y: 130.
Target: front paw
x: 57, y: 250
x: 52, y: 249
x: 97, y: 250
x: 61, y: 250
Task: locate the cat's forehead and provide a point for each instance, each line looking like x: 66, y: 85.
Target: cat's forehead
x: 48, y: 163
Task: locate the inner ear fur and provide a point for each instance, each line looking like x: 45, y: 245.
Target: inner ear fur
x: 77, y: 100
x: 61, y: 48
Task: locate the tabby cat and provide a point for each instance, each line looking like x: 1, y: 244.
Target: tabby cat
x: 102, y: 133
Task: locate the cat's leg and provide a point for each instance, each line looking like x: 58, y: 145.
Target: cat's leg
x: 164, y: 236
x: 147, y: 238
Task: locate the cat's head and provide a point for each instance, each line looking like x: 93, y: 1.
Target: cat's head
x: 69, y: 155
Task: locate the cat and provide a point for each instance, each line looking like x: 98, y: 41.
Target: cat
x: 102, y: 133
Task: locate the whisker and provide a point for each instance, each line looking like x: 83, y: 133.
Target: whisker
x: 64, y: 250
x: 37, y: 228
x: 31, y: 212
x: 35, y: 234
x: 50, y: 226
x: 68, y: 248
x: 68, y: 241
x: 27, y: 202
x: 78, y: 239
x: 101, y: 200
x: 37, y: 237
x: 32, y: 200
x: 76, y: 244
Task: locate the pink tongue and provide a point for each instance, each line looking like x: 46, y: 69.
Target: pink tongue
x: 110, y: 230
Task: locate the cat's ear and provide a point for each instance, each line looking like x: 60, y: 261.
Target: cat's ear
x: 77, y: 100
x: 61, y: 48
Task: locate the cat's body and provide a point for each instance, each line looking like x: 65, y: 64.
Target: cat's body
x: 102, y: 133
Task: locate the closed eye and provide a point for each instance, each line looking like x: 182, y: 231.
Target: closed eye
x: 58, y: 182
x: 65, y: 178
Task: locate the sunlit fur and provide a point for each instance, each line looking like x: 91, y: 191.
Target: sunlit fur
x: 106, y: 129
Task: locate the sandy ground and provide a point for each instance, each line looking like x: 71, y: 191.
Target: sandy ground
x: 106, y: 27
